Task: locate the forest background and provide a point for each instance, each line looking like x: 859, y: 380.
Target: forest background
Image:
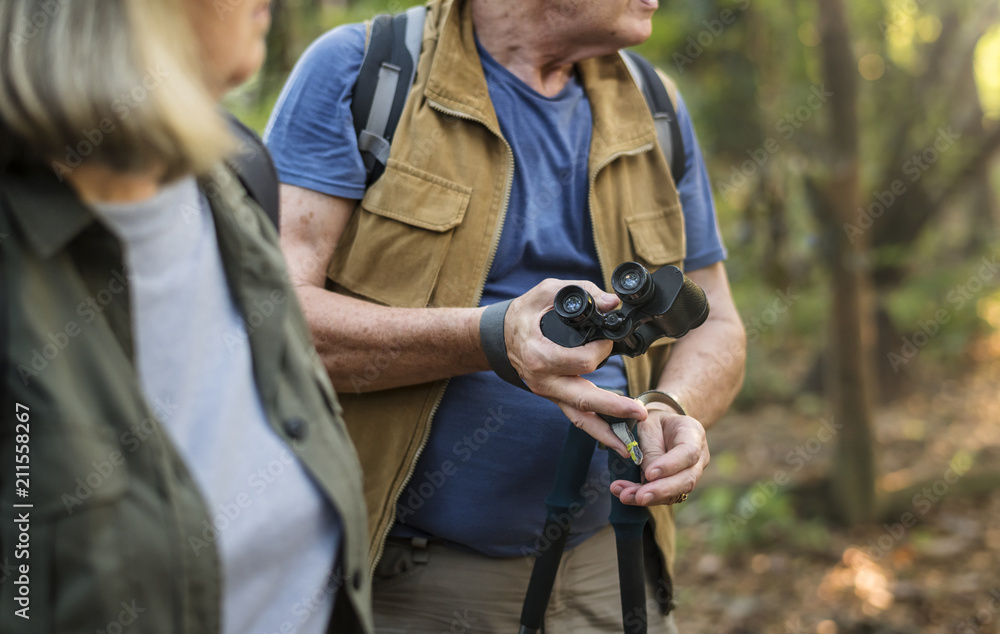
x: 853, y: 147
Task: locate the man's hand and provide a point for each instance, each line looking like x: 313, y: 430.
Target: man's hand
x: 675, y: 455
x: 553, y: 371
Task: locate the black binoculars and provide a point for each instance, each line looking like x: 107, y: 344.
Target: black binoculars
x: 654, y: 305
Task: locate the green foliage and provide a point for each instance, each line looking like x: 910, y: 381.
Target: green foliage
x: 747, y: 74
x: 761, y: 516
x: 951, y: 301
x: 747, y: 71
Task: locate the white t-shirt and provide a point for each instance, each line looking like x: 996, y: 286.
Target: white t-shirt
x: 277, y: 534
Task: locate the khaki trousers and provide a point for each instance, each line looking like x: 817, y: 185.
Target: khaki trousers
x: 429, y: 588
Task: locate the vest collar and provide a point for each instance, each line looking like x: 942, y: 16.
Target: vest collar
x: 622, y: 122
x: 49, y: 211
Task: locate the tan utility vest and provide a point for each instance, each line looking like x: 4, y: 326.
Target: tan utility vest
x: 426, y: 232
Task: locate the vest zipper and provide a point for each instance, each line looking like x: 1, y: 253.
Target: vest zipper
x: 593, y: 223
x: 413, y: 467
x: 506, y: 197
x: 479, y: 296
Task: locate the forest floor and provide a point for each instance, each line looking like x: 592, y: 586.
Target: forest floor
x: 747, y: 564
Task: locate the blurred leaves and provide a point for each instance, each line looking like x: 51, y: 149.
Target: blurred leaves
x: 747, y: 70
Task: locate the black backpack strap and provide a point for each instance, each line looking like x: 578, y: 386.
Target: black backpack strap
x: 383, y: 84
x: 668, y: 129
x: 255, y: 169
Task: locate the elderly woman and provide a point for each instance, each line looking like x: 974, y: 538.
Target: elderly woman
x: 172, y: 453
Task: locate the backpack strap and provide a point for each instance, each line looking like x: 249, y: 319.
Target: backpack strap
x: 255, y: 169
x: 668, y: 129
x: 384, y: 82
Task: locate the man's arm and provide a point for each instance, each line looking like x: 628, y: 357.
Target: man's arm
x: 705, y: 372
x: 427, y: 344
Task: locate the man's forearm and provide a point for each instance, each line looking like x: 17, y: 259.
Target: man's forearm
x: 705, y: 370
x: 367, y: 347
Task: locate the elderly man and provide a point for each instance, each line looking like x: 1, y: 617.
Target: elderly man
x: 525, y: 159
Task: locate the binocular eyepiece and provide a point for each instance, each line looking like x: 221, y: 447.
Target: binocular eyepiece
x: 632, y: 283
x: 654, y: 305
x: 575, y: 305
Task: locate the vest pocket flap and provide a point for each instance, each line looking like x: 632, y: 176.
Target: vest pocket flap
x: 417, y: 198
x: 658, y: 236
x: 393, y: 248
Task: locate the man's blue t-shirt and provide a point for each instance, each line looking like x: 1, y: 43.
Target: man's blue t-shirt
x: 481, y: 481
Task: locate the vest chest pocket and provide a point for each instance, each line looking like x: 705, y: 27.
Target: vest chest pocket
x: 658, y: 236
x: 394, y: 246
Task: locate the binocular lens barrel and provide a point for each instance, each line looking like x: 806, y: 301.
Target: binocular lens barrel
x: 574, y: 305
x: 632, y: 283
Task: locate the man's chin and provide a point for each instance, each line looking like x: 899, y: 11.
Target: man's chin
x: 639, y: 33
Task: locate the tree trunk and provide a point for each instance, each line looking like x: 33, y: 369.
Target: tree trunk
x: 277, y: 61
x: 850, y: 378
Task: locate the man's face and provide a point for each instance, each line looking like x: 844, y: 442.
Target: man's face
x: 598, y: 23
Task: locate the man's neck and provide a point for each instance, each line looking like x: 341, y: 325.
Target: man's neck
x: 526, y: 39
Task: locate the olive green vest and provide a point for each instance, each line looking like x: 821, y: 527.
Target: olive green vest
x: 425, y: 234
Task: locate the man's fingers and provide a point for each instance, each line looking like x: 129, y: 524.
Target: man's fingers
x: 595, y: 426
x: 680, y: 457
x: 683, y: 436
x: 584, y: 396
x: 659, y: 491
x: 649, y: 433
x: 625, y: 490
x: 554, y: 359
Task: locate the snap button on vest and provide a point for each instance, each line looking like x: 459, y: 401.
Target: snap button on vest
x: 295, y: 428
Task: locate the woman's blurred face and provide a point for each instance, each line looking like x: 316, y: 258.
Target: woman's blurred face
x: 231, y: 34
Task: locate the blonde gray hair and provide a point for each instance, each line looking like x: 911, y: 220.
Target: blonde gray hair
x: 111, y: 81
